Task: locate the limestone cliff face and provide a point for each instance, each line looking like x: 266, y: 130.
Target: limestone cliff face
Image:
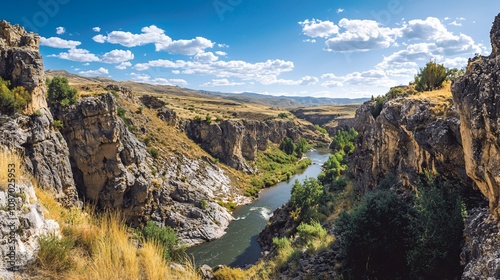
x: 108, y: 162
x: 407, y: 138
x: 477, y: 95
x: 113, y: 168
x: 21, y: 63
x: 44, y: 149
x: 235, y: 142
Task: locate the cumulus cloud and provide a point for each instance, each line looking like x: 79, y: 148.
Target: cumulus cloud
x: 260, y: 71
x: 340, y: 10
x: 55, y: 42
x: 144, y: 78
x: 221, y: 53
x: 455, y: 23
x: 117, y: 56
x: 374, y: 77
x: 96, y: 29
x: 123, y: 65
x: 60, y: 30
x: 94, y: 73
x: 221, y: 83
x: 154, y: 35
x: 361, y: 35
x: 80, y: 55
x: 205, y: 57
x: 318, y: 28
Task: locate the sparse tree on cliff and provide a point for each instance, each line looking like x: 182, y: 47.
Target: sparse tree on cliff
x: 431, y: 77
x: 61, y: 93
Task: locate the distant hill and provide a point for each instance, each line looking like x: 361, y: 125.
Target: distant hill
x: 249, y: 97
x: 286, y: 101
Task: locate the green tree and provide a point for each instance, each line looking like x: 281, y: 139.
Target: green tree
x: 13, y: 101
x: 287, y: 146
x: 61, y: 93
x: 301, y: 147
x: 373, y: 237
x: 438, y: 228
x: 431, y: 77
x: 305, y: 197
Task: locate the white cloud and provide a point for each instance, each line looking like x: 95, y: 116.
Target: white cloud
x: 117, y: 56
x: 308, y: 80
x: 361, y: 35
x: 60, y: 30
x: 264, y: 72
x: 55, y: 42
x: 80, y: 55
x: 309, y: 41
x: 222, y: 46
x: 143, y: 78
x: 205, y: 57
x: 221, y: 53
x: 156, y: 36
x: 373, y: 77
x: 221, y: 83
x: 456, y: 62
x: 94, y: 73
x: 86, y: 64
x: 340, y: 10
x: 188, y: 47
x: 318, y: 28
x: 176, y: 72
x: 429, y: 29
x: 149, y: 35
x: 96, y: 29
x: 455, y: 23
x: 123, y: 65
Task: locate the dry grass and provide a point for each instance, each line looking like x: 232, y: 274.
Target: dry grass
x: 441, y: 99
x: 11, y: 167
x: 103, y: 249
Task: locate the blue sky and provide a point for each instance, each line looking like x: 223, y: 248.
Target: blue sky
x: 342, y: 48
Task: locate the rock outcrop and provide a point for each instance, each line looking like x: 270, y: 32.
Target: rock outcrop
x: 108, y: 162
x: 481, y: 253
x: 21, y: 63
x: 22, y: 223
x: 477, y: 95
x: 45, y: 151
x: 408, y: 138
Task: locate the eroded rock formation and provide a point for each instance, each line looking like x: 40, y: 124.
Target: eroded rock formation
x: 45, y: 151
x: 477, y: 95
x: 408, y: 138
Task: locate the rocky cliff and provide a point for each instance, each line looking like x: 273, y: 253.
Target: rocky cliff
x: 108, y: 162
x: 21, y: 63
x: 477, y: 95
x: 235, y: 142
x: 45, y: 151
x: 409, y: 137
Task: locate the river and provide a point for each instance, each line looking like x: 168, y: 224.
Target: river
x: 239, y: 247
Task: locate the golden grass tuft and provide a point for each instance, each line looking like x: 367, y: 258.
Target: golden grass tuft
x: 11, y: 167
x: 102, y: 248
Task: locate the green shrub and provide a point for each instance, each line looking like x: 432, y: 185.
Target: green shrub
x: 60, y: 92
x: 374, y: 237
x: 310, y: 232
x: 208, y: 119
x: 13, y: 101
x: 54, y: 253
x: 166, y: 238
x: 58, y: 124
x: 287, y: 146
x: 321, y: 129
x: 153, y: 152
x: 305, y: 197
x: 121, y: 112
x: 431, y: 77
x: 283, y: 115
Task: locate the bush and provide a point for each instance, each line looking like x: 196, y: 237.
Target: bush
x: 165, y: 237
x: 321, y: 129
x: 153, y: 152
x: 310, y: 232
x: 287, y: 146
x: 13, y: 101
x: 54, y: 253
x: 431, y: 77
x: 58, y: 124
x: 283, y: 115
x: 61, y: 93
x: 373, y: 238
x: 305, y: 197
x: 438, y: 228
